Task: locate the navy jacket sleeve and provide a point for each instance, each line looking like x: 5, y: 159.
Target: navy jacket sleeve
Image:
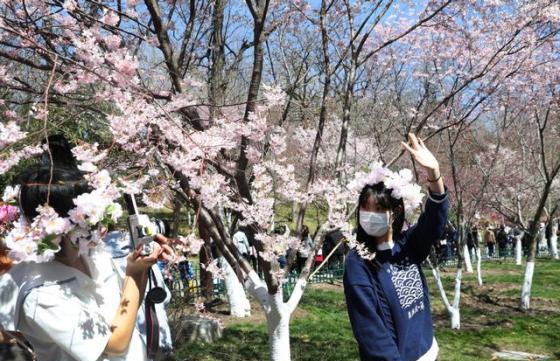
x: 429, y: 228
x: 374, y: 340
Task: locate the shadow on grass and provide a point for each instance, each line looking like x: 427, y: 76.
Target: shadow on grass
x: 323, y: 334
x: 490, y: 322
x: 237, y: 344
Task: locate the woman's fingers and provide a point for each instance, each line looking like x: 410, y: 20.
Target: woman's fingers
x: 167, y: 253
x: 135, y: 254
x: 156, y: 251
x: 147, y: 260
x: 413, y: 140
x: 161, y: 239
x: 407, y: 147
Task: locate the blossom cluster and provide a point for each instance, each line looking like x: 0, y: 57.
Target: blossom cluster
x: 10, y: 133
x: 400, y: 183
x: 190, y: 244
x: 13, y: 157
x: 8, y: 214
x: 39, y: 240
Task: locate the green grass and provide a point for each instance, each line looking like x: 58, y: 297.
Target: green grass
x: 489, y: 317
x: 314, y: 216
x: 508, y: 275
x: 323, y: 333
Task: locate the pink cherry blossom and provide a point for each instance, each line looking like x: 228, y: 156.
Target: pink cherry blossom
x: 111, y: 18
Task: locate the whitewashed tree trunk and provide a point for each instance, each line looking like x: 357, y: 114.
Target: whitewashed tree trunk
x: 278, y: 322
x: 479, y: 266
x: 467, y: 257
x: 527, y: 283
x: 554, y: 246
x: 239, y: 304
x: 518, y: 249
x: 452, y: 309
x: 542, y: 244
x: 456, y: 316
x: 554, y: 240
x: 277, y: 313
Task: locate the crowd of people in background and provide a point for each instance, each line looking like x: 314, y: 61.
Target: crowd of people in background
x: 496, y: 240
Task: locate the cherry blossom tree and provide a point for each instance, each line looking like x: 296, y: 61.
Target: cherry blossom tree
x: 202, y: 102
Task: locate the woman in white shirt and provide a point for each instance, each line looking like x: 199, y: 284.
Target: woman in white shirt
x: 73, y: 306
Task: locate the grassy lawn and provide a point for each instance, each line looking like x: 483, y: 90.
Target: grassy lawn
x: 490, y: 321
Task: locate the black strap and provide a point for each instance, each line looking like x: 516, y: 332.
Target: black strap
x: 152, y: 324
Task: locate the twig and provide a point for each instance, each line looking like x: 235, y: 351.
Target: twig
x: 326, y: 259
x: 45, y: 125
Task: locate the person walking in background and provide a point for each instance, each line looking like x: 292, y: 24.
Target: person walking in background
x: 305, y: 249
x: 502, y: 240
x: 490, y: 240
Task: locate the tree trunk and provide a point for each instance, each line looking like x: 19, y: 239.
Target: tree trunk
x: 239, y: 305
x: 176, y: 218
x: 533, y: 238
x: 554, y: 246
x: 205, y: 257
x: 467, y: 258
x: 322, y: 115
x: 518, y: 249
x: 456, y: 316
x: 478, y: 266
x: 278, y: 322
x: 554, y: 240
x: 542, y: 244
x: 217, y: 84
x: 346, y: 110
x: 452, y: 310
x: 527, y: 283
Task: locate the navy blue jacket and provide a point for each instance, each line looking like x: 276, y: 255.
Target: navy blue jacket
x: 389, y: 309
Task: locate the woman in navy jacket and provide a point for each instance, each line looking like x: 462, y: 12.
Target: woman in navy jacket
x: 386, y: 292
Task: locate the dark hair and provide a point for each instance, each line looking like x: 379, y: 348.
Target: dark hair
x: 37, y: 185
x: 304, y: 232
x: 385, y: 200
x: 61, y: 152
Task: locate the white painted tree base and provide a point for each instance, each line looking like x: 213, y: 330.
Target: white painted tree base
x: 479, y: 266
x: 278, y: 322
x: 467, y: 257
x: 452, y: 309
x: 527, y: 283
x: 277, y: 313
x: 554, y: 247
x: 518, y: 250
x: 239, y: 304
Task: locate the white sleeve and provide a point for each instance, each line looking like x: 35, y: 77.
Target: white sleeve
x: 8, y: 300
x: 81, y: 332
x: 236, y: 240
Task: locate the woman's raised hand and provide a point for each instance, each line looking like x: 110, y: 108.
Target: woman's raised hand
x: 420, y: 153
x: 426, y: 159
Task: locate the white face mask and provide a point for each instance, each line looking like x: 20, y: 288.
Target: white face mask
x: 375, y: 224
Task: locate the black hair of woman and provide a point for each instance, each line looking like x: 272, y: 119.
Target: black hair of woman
x: 60, y: 151
x: 37, y: 187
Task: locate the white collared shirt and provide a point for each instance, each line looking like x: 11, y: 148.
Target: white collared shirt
x: 66, y: 315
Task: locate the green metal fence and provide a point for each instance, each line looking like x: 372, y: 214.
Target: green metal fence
x: 192, y: 288
x: 330, y: 273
